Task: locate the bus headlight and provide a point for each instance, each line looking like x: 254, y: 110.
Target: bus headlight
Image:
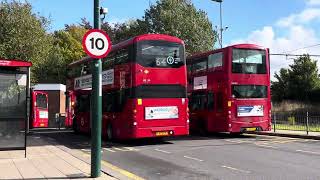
x: 135, y: 123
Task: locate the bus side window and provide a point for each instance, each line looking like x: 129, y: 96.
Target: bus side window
x: 189, y: 68
x: 123, y: 97
x: 108, y: 62
x: 107, y: 102
x: 122, y: 56
x: 198, y: 101
x: 210, y: 101
x: 84, y: 103
x: 219, y: 102
x: 215, y: 60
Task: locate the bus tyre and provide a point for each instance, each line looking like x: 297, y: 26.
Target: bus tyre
x: 109, y: 132
x: 236, y: 134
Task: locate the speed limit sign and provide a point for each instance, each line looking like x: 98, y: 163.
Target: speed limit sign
x: 96, y: 43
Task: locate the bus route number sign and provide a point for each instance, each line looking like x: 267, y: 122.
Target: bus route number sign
x: 96, y: 43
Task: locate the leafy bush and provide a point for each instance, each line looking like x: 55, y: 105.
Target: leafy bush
x: 292, y: 120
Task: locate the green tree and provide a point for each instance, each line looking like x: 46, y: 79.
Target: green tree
x: 67, y: 48
x: 279, y: 88
x: 23, y: 34
x: 180, y: 18
x: 303, y: 77
x: 298, y: 81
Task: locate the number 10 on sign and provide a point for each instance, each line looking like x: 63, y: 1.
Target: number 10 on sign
x: 96, y: 43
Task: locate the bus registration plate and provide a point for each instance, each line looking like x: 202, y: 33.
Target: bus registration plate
x: 251, y: 129
x: 162, y: 133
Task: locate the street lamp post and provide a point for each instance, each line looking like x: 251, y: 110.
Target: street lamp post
x: 221, y: 29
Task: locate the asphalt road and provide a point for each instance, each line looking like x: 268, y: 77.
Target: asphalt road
x: 219, y: 156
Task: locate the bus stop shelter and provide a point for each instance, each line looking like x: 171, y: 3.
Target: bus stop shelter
x: 14, y: 90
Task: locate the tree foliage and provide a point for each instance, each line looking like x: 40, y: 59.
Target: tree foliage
x: 23, y: 34
x: 180, y: 18
x: 177, y: 18
x: 298, y: 82
x: 67, y: 48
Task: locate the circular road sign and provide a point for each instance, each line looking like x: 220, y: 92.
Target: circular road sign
x: 96, y: 43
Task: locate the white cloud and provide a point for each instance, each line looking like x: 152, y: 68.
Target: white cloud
x: 298, y: 35
x: 313, y: 2
x: 304, y: 17
x: 114, y: 20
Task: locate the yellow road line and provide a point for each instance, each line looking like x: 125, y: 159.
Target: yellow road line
x: 119, y: 149
x: 122, y: 171
x: 131, y: 148
x: 115, y: 168
x: 110, y: 150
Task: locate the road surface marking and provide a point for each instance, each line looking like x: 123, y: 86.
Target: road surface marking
x: 86, y: 155
x: 311, y: 152
x: 110, y: 150
x: 122, y: 171
x: 167, y: 152
x: 196, y: 159
x: 119, y: 149
x: 263, y: 145
x: 115, y: 168
x: 131, y: 148
x: 233, y: 141
x: 236, y: 169
x: 86, y: 150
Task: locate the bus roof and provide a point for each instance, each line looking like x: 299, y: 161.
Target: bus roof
x: 14, y: 63
x: 240, y: 46
x: 132, y: 40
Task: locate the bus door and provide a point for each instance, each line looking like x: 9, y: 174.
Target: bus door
x: 220, y: 121
x: 70, y: 103
x: 198, y: 108
x: 40, y: 109
x: 82, y: 112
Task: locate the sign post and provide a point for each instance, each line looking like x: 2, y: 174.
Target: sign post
x: 96, y: 44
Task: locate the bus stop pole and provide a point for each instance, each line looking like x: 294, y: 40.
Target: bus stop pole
x: 96, y: 108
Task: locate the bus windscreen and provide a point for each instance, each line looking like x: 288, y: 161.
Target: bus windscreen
x: 249, y: 91
x: 247, y: 61
x: 41, y: 101
x: 160, y: 54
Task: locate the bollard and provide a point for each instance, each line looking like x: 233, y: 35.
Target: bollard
x: 274, y: 122
x: 307, y: 124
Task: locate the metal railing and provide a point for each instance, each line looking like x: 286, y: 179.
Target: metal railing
x: 296, y: 121
x: 60, y: 119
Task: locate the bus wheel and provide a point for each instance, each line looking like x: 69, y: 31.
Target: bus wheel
x: 109, y: 132
x: 235, y: 134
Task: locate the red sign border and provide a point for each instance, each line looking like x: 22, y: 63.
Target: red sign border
x: 84, y: 43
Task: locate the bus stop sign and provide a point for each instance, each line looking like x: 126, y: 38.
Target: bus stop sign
x: 96, y: 43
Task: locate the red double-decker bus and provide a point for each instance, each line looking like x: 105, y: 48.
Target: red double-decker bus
x: 229, y: 89
x: 144, y: 89
x: 39, y: 109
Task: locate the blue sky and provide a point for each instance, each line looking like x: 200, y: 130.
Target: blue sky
x: 281, y: 25
x: 241, y: 16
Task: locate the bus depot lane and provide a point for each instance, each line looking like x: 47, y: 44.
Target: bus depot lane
x: 213, y: 157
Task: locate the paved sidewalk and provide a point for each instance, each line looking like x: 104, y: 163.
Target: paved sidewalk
x: 288, y: 133
x: 44, y: 161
